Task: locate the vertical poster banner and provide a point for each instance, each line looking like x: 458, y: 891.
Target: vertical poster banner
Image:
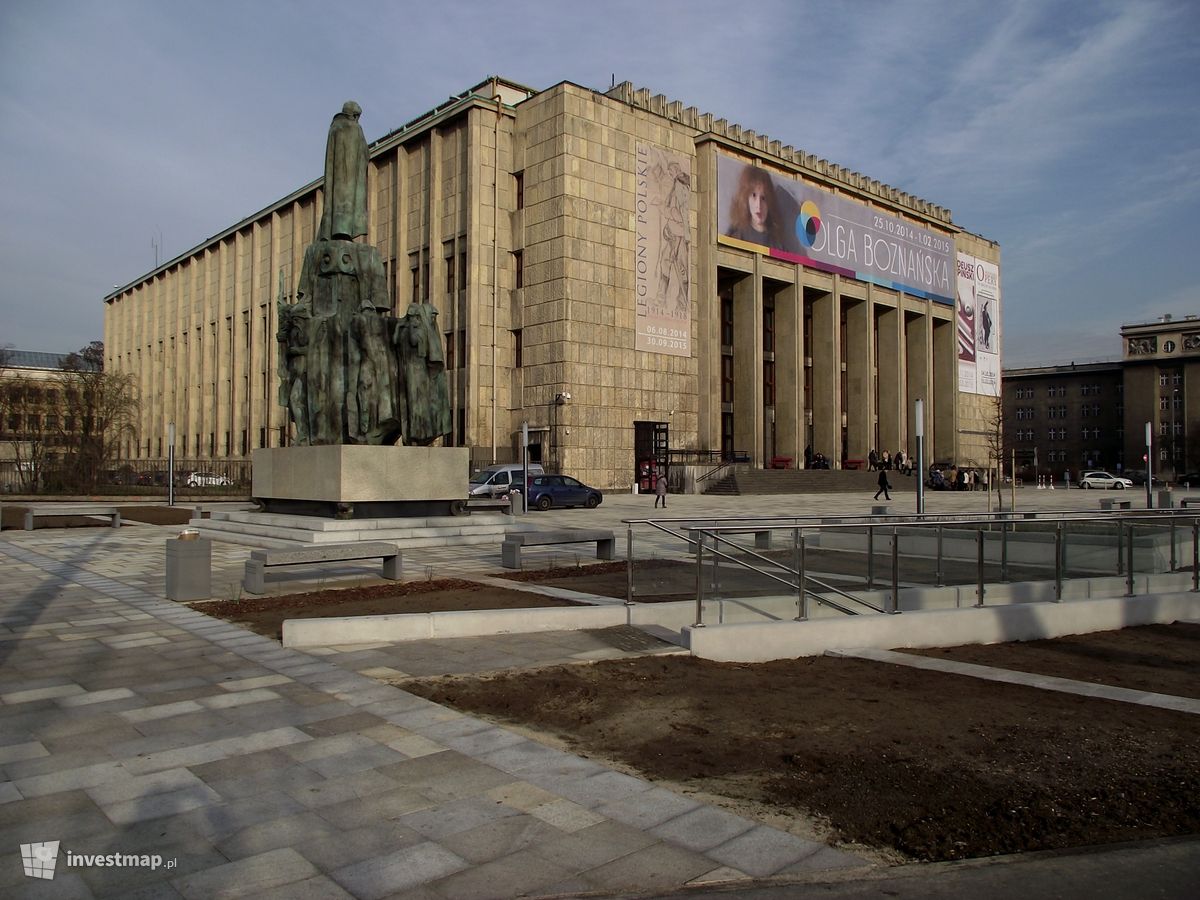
x: 662, y: 251
x: 978, y: 317
x: 987, y: 328
x: 965, y: 318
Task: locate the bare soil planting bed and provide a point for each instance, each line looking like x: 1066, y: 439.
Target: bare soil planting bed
x: 914, y: 764
x: 265, y: 615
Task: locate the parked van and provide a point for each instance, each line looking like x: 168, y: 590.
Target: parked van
x: 498, y: 480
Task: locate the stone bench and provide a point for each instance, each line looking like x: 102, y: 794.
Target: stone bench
x: 261, y: 560
x: 43, y: 512
x: 762, y: 536
x: 1110, y: 503
x: 514, y: 541
x: 489, y: 505
x: 1185, y: 502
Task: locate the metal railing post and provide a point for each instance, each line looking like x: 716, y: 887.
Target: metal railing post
x: 1195, y: 555
x: 1129, y: 562
x: 870, y: 557
x: 894, y: 603
x: 716, y: 563
x: 1004, y: 525
x: 979, y: 589
x: 802, y: 600
x: 1120, y: 547
x: 629, y: 565
x: 1058, y: 561
x: 939, y: 556
x: 699, y: 578
x: 1173, y: 560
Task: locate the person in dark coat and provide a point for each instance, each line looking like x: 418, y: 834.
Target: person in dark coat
x: 884, y: 486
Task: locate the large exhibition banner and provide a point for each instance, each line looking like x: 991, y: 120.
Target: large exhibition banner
x: 662, y: 252
x: 799, y: 223
x: 978, y: 318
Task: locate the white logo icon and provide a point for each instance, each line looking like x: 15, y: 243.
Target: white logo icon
x: 39, y: 859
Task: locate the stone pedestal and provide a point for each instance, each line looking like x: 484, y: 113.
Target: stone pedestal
x: 362, y: 481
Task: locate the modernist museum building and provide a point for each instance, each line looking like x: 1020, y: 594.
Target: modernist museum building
x: 629, y: 277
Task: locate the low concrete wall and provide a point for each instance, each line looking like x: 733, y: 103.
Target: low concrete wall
x: 420, y: 626
x: 936, y: 628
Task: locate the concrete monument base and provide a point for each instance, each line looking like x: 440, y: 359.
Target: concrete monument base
x: 354, y: 481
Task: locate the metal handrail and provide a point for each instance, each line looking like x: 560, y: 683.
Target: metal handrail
x: 1125, y: 520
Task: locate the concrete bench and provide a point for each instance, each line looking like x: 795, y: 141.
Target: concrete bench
x: 1185, y: 502
x: 762, y: 536
x: 261, y: 560
x: 490, y: 505
x: 514, y: 541
x: 1110, y: 503
x: 43, y: 512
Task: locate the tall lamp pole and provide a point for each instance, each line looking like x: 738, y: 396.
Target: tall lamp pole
x: 920, y: 417
x: 1149, y: 463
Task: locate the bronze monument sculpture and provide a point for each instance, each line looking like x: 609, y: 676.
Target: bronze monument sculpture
x: 350, y: 372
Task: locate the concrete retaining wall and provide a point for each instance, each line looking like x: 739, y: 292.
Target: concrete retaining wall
x: 936, y: 628
x: 420, y: 626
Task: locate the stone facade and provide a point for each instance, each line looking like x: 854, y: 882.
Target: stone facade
x: 513, y: 211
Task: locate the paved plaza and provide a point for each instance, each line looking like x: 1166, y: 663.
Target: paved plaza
x: 133, y: 725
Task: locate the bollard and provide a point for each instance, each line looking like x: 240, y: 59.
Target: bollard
x: 189, y: 568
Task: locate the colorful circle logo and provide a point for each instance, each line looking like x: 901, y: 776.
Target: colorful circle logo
x: 808, y: 223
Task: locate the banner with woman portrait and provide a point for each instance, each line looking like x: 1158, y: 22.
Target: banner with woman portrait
x: 800, y: 223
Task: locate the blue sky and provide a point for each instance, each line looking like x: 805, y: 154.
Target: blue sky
x: 1067, y: 131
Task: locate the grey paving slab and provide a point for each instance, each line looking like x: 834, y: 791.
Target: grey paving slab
x: 247, y: 877
x: 702, y: 829
x: 395, y: 872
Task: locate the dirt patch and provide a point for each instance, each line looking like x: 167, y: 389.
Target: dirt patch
x: 265, y: 615
x: 655, y: 580
x: 930, y: 766
x: 1164, y: 659
x: 14, y: 517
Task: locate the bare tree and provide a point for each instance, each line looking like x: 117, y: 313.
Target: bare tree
x: 998, y: 445
x: 99, y: 412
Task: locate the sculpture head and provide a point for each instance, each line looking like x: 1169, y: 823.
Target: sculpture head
x: 351, y: 109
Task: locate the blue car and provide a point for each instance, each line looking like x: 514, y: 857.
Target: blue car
x: 546, y: 491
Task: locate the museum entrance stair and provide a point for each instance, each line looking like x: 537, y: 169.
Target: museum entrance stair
x: 747, y: 480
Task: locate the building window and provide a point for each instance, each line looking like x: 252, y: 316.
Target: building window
x: 1164, y: 402
x: 727, y: 320
x: 518, y: 268
x: 518, y: 349
x: 414, y: 265
x: 448, y: 255
x: 768, y: 383
x: 519, y: 188
x: 463, y: 271
x: 448, y: 340
x: 726, y: 379
x: 769, y: 327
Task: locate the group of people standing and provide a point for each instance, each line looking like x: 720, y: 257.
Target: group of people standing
x: 900, y: 462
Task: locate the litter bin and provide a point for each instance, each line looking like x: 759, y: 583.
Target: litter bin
x: 1164, y: 500
x: 189, y: 568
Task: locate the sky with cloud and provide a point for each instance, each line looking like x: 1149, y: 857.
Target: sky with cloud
x: 1069, y: 132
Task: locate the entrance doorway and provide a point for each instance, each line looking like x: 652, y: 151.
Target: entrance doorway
x: 651, y: 454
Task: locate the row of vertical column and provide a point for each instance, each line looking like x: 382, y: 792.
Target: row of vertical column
x: 833, y: 366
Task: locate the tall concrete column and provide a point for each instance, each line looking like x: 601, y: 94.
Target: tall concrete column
x: 747, y: 366
x: 789, y: 373
x: 826, y: 374
x: 919, y: 371
x: 887, y: 337
x: 940, y: 410
x: 859, y: 393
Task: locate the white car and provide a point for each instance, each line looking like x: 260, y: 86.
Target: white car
x: 207, y: 479
x: 1104, y: 480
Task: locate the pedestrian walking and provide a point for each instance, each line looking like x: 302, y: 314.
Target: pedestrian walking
x: 660, y: 491
x: 884, y: 487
